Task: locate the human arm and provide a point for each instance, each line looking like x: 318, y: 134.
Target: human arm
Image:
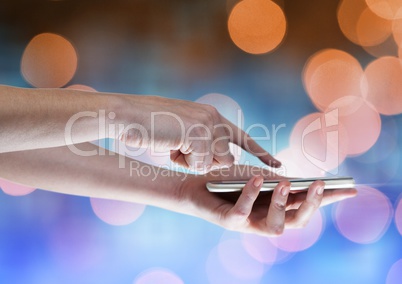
x: 60, y: 170
x: 196, y: 134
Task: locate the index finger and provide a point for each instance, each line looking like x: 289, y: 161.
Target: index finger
x: 242, y: 139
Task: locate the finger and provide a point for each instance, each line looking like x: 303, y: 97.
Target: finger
x: 199, y: 162
x: 300, y: 217
x: 335, y: 195
x: 242, y: 208
x: 197, y: 149
x: 178, y: 157
x: 220, y: 147
x: 241, y: 138
x: 330, y: 196
x: 196, y: 155
x: 275, y: 221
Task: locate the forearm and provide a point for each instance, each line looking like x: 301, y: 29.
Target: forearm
x: 41, y: 118
x: 60, y: 170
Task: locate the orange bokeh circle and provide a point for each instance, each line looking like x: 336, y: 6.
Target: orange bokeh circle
x: 331, y: 74
x: 49, y: 61
x: 257, y: 26
x: 384, y: 82
x: 371, y: 29
x: 387, y: 9
x: 360, y: 25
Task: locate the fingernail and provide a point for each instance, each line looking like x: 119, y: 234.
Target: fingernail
x: 320, y: 190
x: 258, y: 181
x: 285, y: 190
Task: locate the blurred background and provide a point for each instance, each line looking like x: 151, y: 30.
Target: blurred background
x: 319, y: 82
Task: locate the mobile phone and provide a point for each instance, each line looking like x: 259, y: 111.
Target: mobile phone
x: 269, y: 185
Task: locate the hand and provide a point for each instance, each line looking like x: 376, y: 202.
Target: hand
x: 196, y: 135
x: 265, y: 213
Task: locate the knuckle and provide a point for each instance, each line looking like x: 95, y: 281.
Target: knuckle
x: 212, y: 110
x: 276, y: 230
x: 230, y: 159
x: 207, y: 118
x: 239, y: 213
x: 280, y: 206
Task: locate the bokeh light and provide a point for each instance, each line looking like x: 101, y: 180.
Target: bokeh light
x: 158, y: 275
x: 371, y: 29
x: 316, y: 145
x: 354, y: 114
x: 395, y: 273
x: 262, y: 249
x: 386, y: 48
x: 290, y: 165
x: 115, y: 212
x: 257, y: 26
x: 293, y: 240
x: 49, y: 61
x: 76, y: 244
x: 14, y: 189
x: 380, y: 164
x: 384, y: 81
x: 226, y: 106
x: 237, y: 261
x: 385, y: 146
x: 331, y: 74
x: 365, y: 218
x: 360, y: 25
x: 229, y: 262
x: 348, y: 14
x: 397, y: 31
x: 387, y: 9
x: 398, y: 215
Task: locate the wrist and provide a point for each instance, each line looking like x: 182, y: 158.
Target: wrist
x: 128, y: 115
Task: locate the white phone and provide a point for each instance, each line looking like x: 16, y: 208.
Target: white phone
x: 269, y: 185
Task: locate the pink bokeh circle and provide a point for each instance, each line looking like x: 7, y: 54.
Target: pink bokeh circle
x: 316, y: 144
x: 365, y: 218
x: 262, y: 249
x: 229, y: 262
x: 395, y: 273
x: 398, y: 215
x: 158, y: 275
x: 115, y: 212
x: 361, y: 123
x: 15, y: 189
x: 293, y: 240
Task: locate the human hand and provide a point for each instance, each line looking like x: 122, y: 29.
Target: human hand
x: 252, y: 211
x: 196, y: 135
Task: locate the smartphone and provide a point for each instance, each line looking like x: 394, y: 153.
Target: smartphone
x: 269, y: 185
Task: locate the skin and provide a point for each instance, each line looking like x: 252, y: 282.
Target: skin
x: 35, y: 151
x: 59, y: 170
x: 196, y: 135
